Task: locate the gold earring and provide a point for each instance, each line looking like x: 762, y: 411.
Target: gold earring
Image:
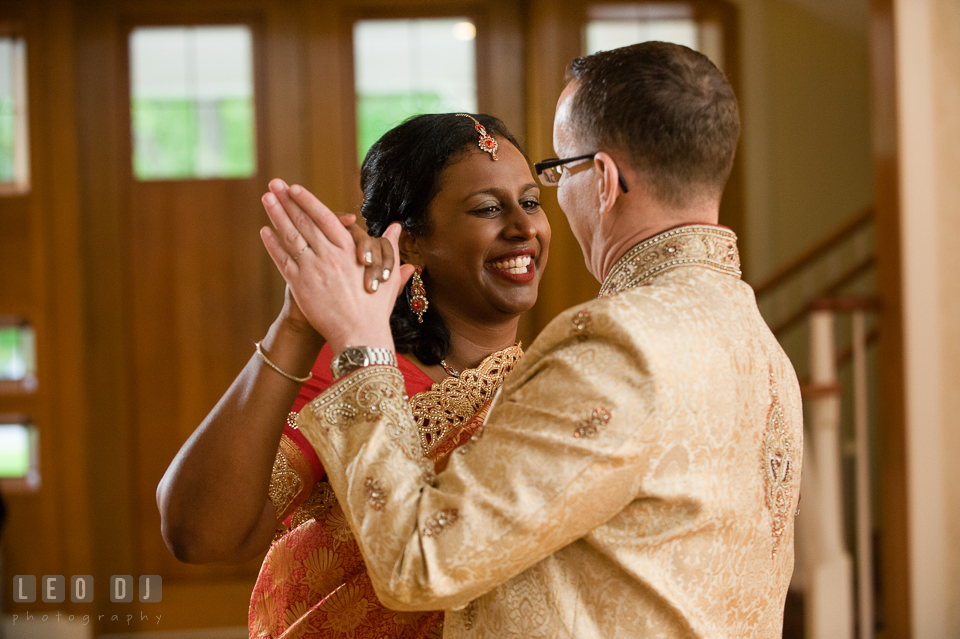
x: 418, y: 296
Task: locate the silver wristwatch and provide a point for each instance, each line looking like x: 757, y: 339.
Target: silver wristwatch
x: 353, y: 357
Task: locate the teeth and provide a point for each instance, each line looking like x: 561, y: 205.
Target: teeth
x: 515, y: 265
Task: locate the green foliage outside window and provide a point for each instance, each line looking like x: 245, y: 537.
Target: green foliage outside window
x: 14, y: 450
x: 7, y: 121
x: 16, y: 353
x: 178, y: 139
x: 377, y: 114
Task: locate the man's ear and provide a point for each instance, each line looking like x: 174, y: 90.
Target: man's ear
x: 608, y: 181
x: 409, y: 248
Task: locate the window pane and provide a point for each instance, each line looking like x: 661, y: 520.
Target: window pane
x: 14, y: 149
x: 407, y: 67
x: 17, y: 353
x: 620, y: 25
x: 192, y: 102
x: 15, y: 449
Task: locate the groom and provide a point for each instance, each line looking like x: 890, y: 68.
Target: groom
x: 639, y: 473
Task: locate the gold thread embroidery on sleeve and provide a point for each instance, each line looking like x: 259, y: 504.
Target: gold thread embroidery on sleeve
x: 591, y: 425
x: 778, y: 459
x: 376, y: 493
x: 371, y: 393
x: 428, y: 471
x: 581, y: 324
x: 437, y: 523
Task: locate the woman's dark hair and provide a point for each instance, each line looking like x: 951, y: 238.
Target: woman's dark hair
x: 400, y: 177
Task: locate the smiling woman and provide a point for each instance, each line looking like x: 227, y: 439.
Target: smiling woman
x: 473, y: 224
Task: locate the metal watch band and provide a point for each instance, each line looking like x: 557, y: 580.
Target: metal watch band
x: 353, y: 357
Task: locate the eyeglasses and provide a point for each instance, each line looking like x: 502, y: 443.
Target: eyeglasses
x: 550, y: 170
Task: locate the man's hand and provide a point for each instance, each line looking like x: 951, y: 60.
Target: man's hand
x: 372, y: 252
x: 318, y: 258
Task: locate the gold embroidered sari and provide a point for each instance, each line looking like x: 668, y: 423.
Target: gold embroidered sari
x: 313, y: 583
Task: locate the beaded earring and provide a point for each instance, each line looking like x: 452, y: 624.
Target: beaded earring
x: 418, y: 296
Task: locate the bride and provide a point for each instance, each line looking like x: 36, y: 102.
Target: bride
x: 247, y: 480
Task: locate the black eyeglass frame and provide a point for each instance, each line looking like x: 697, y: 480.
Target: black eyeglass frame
x: 550, y: 163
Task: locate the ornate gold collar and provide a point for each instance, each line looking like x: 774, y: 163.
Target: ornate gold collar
x: 451, y: 403
x: 714, y: 247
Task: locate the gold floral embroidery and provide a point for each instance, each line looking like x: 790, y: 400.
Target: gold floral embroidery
x: 347, y: 609
x: 438, y: 522
x: 590, y: 426
x: 324, y: 570
x: 778, y: 459
x: 290, y: 468
x: 320, y: 500
x: 296, y: 613
x: 711, y: 246
x: 581, y: 323
x: 454, y: 401
x: 376, y: 493
x: 369, y: 393
x: 292, y: 420
x: 338, y: 525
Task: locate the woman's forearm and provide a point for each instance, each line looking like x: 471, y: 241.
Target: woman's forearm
x: 213, y: 497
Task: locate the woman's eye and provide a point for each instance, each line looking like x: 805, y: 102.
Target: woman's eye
x: 530, y: 205
x: 487, y: 211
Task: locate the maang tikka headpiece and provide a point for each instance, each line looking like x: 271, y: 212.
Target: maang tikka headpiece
x: 487, y: 143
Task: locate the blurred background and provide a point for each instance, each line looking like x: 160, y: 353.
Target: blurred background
x: 136, y: 137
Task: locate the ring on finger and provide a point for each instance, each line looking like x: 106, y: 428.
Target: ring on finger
x: 300, y: 252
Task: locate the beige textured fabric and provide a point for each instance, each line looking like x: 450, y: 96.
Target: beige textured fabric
x: 637, y: 477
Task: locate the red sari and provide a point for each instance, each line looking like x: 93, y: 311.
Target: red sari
x: 313, y: 583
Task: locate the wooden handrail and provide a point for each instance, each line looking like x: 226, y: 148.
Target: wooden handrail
x: 830, y: 288
x: 846, y: 303
x: 804, y: 259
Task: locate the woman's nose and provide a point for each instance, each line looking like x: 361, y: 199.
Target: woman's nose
x: 520, y: 224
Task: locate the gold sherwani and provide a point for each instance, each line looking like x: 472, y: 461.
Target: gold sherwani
x: 637, y: 476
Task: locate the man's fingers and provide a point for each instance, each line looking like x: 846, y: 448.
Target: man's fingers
x: 324, y: 219
x: 305, y: 225
x: 289, y: 237
x: 285, y: 264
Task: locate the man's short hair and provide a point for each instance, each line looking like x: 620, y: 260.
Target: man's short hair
x: 667, y: 108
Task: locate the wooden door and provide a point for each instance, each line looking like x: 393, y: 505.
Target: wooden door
x: 180, y: 289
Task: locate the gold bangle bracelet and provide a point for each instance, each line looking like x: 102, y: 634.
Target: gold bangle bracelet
x: 299, y: 380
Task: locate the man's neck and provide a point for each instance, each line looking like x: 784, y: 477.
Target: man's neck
x: 629, y: 228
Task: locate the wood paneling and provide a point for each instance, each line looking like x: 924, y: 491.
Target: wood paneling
x: 894, y: 574
x: 48, y: 530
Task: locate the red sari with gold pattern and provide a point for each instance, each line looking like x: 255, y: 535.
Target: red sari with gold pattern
x: 313, y: 583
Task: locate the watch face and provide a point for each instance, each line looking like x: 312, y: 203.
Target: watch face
x: 353, y: 358
x: 350, y: 359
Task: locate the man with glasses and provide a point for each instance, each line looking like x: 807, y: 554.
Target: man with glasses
x: 639, y: 473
